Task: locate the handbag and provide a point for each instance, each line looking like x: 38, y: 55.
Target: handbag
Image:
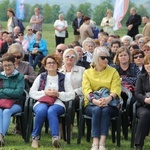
x: 35, y: 51
x: 47, y: 99
x: 66, y: 34
x: 6, y: 103
x: 104, y: 92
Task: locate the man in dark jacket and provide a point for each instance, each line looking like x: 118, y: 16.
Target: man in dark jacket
x: 78, y: 21
x: 133, y: 22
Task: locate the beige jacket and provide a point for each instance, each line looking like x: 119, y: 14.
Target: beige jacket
x: 76, y: 78
x: 146, y: 30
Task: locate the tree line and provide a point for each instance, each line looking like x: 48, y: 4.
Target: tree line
x: 51, y: 12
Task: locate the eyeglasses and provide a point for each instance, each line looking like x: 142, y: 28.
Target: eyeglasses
x: 8, y: 65
x: 104, y: 57
x: 70, y: 56
x: 20, y: 35
x: 29, y: 29
x: 146, y: 50
x: 140, y: 56
x: 51, y: 63
x: 60, y: 50
x: 18, y: 57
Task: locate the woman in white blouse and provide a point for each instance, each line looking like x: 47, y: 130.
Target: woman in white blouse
x: 108, y: 23
x: 60, y: 27
x: 53, y: 84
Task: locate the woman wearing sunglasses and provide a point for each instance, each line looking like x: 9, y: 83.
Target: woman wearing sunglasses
x: 138, y: 57
x: 100, y: 75
x: 24, y: 43
x: 142, y: 93
x: 73, y: 75
x: 22, y: 66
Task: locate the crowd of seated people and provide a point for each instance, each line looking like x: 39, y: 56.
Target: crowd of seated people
x: 123, y: 54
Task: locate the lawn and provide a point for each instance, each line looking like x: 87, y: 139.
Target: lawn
x: 15, y: 142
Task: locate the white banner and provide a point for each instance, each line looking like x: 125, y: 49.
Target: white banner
x: 121, y: 7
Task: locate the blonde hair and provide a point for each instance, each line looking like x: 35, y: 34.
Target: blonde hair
x: 96, y: 54
x: 120, y: 50
x: 68, y: 50
x: 16, y: 48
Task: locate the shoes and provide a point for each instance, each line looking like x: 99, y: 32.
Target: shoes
x: 55, y: 141
x: 1, y: 140
x: 102, y: 147
x: 94, y: 147
x: 35, y: 143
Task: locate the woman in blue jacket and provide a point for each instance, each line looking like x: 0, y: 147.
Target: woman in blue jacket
x: 11, y: 88
x: 37, y: 50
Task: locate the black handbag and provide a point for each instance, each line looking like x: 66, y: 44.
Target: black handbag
x: 66, y: 34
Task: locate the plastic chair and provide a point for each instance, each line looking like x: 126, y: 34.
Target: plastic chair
x: 66, y: 121
x: 23, y: 115
x: 125, y: 112
x: 115, y: 125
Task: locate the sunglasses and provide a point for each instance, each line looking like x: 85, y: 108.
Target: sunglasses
x: 60, y: 50
x: 51, y: 63
x: 29, y: 29
x: 70, y: 56
x: 104, y: 57
x: 18, y: 57
x: 140, y: 56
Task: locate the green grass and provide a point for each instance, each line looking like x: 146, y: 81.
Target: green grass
x: 15, y: 142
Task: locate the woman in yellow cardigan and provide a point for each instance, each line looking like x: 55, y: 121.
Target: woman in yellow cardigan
x: 100, y: 75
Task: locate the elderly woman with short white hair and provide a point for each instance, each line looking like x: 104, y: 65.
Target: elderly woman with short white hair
x: 73, y: 75
x: 126, y: 40
x: 99, y: 76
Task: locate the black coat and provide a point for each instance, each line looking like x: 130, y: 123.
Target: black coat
x: 75, y: 25
x: 141, y: 88
x: 136, y: 21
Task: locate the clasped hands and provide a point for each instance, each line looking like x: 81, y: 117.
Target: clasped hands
x: 102, y: 102
x: 52, y: 92
x: 130, y: 26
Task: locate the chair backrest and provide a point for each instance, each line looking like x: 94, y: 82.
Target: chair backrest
x: 129, y: 95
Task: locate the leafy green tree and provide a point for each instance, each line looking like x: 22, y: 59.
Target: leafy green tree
x: 100, y: 11
x: 85, y: 8
x: 71, y: 13
x: 46, y: 13
x: 3, y: 7
x: 55, y: 11
x: 142, y: 11
x: 28, y: 13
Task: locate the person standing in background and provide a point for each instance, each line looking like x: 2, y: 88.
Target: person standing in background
x: 108, y: 23
x: 36, y: 20
x: 60, y: 27
x: 133, y: 22
x: 146, y: 28
x: 86, y: 30
x: 77, y: 22
x: 12, y: 20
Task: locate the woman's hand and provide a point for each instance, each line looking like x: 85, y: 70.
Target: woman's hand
x: 52, y: 92
x: 147, y: 100
x: 102, y: 102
